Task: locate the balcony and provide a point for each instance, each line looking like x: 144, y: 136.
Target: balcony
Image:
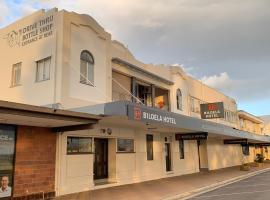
x: 126, y: 88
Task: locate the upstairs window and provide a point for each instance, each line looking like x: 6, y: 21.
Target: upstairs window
x: 87, y: 68
x: 16, y: 75
x: 179, y: 99
x: 43, y: 69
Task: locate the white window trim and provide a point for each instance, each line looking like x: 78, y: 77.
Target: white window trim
x: 43, y: 67
x: 13, y: 82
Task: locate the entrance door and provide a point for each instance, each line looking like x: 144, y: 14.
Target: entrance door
x: 202, y: 155
x: 101, y: 159
x: 168, y: 157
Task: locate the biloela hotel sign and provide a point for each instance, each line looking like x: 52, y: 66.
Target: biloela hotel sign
x: 38, y: 30
x: 144, y: 114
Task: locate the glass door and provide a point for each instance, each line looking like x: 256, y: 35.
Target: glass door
x: 101, y: 159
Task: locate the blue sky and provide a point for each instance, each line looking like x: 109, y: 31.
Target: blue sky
x: 226, y: 44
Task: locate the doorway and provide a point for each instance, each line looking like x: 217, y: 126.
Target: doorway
x: 202, y: 155
x: 101, y: 159
x: 168, y: 157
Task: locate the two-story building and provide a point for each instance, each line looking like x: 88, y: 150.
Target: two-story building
x: 150, y: 126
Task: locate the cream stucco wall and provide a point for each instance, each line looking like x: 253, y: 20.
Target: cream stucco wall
x: 124, y: 168
x: 221, y: 156
x: 19, y: 43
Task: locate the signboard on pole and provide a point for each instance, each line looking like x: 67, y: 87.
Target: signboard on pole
x: 212, y: 110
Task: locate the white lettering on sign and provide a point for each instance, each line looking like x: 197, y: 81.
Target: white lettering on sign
x: 159, y: 118
x: 211, y: 114
x: 31, y: 33
x: 5, y: 138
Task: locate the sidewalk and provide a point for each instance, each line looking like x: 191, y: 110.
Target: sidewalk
x: 163, y: 188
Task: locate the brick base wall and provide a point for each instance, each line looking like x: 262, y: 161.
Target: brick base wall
x: 34, y: 162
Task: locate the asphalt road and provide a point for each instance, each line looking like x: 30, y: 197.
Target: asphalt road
x: 253, y: 188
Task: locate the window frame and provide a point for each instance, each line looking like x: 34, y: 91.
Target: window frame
x: 150, y: 143
x: 43, y: 67
x: 117, y: 150
x: 181, y: 149
x: 78, y: 152
x: 179, y: 99
x: 85, y: 79
x: 13, y: 84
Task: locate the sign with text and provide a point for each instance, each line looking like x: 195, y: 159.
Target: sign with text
x: 7, y: 145
x: 30, y: 33
x: 191, y: 136
x: 141, y: 113
x: 212, y: 110
x: 236, y: 141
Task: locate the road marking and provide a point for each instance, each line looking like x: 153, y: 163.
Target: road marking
x: 236, y: 193
x: 255, y: 181
x: 245, y: 186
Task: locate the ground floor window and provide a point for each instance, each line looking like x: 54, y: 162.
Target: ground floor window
x: 7, y: 148
x: 79, y: 145
x: 181, y: 149
x: 149, y: 147
x: 245, y: 149
x: 125, y: 145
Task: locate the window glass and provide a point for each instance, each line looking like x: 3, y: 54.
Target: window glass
x: 43, y: 69
x: 7, y: 145
x: 245, y: 149
x: 77, y: 145
x: 149, y: 147
x: 125, y: 145
x: 16, y: 74
x: 83, y: 75
x: 181, y: 149
x: 86, y: 68
x: 85, y: 145
x: 179, y: 100
x: 47, y: 64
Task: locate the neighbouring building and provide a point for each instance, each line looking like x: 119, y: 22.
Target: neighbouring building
x: 150, y: 125
x: 28, y: 147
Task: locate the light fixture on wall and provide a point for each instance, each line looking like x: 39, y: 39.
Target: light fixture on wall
x: 109, y: 131
x: 104, y: 131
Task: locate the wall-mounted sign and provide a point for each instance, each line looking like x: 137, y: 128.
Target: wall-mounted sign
x: 236, y: 141
x: 191, y: 136
x: 30, y: 33
x: 141, y: 113
x: 260, y: 144
x: 212, y: 110
x: 7, y: 145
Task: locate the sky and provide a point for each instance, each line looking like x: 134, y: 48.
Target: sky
x: 224, y: 43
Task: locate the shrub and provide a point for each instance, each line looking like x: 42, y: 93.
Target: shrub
x: 259, y: 158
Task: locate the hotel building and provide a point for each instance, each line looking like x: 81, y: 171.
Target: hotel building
x: 147, y: 117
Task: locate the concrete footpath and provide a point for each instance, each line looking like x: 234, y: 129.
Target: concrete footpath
x: 181, y: 187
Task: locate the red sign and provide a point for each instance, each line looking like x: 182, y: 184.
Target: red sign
x: 212, y: 107
x: 212, y: 110
x: 137, y: 113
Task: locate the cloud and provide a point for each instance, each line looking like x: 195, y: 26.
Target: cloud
x: 226, y: 42
x: 3, y: 11
x: 27, y: 9
x: 221, y: 82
